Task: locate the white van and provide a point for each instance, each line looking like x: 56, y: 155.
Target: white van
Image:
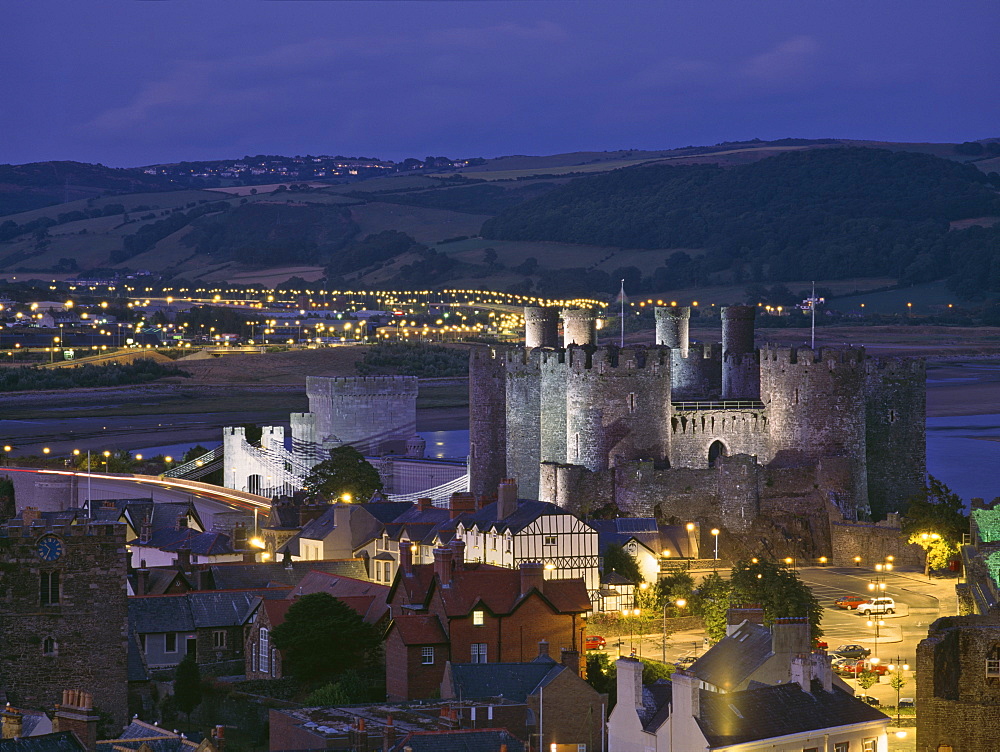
x: 877, y: 606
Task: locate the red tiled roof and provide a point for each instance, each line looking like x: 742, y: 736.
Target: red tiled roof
x: 276, y: 611
x: 496, y: 588
x: 419, y: 630
x: 367, y: 598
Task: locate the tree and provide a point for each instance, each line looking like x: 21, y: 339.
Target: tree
x: 867, y: 680
x: 187, y: 685
x: 937, y: 510
x: 777, y: 589
x: 322, y: 638
x: 346, y: 475
x: 7, y: 506
x: 617, y: 559
x: 710, y: 602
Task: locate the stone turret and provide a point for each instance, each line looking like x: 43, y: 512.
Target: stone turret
x: 579, y: 326
x: 740, y: 372
x: 672, y: 326
x: 541, y: 327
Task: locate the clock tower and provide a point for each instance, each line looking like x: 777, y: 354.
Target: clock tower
x: 64, y: 612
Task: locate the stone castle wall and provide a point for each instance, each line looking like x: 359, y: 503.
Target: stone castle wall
x: 88, y: 624
x: 487, y: 420
x: 738, y: 431
x: 364, y: 412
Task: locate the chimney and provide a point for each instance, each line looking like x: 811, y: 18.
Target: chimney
x: 736, y: 615
x: 423, y: 504
x: 443, y: 565
x: 388, y: 734
x: 506, y: 498
x: 184, y: 559
x: 790, y: 635
x: 630, y: 682
x: 30, y: 514
x: 240, y: 537
x: 571, y: 660
x: 76, y: 714
x: 457, y: 546
x: 807, y: 667
x: 461, y: 502
x: 543, y: 648
x: 686, y: 698
x: 11, y: 723
x: 219, y: 734
x: 141, y: 581
x: 202, y: 578
x: 532, y: 576
x: 146, y: 530
x: 406, y: 557
x: 309, y: 512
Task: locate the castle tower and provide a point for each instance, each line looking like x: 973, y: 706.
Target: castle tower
x: 553, y: 406
x: 816, y: 412
x: 524, y: 425
x: 364, y: 411
x: 895, y: 436
x: 541, y: 327
x: 579, y: 326
x: 740, y: 372
x: 617, y: 406
x: 487, y: 420
x: 672, y: 326
x: 64, y: 619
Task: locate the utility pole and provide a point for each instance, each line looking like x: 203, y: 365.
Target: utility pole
x: 621, y: 297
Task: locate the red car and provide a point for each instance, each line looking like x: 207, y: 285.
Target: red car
x: 851, y: 668
x: 850, y: 601
x: 594, y: 642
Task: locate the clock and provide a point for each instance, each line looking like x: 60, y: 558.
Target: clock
x: 49, y: 548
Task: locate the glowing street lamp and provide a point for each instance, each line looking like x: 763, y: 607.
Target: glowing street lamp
x: 715, y: 534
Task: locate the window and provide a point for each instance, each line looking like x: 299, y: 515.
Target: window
x: 479, y: 652
x: 170, y: 643
x: 811, y: 749
x: 549, y: 540
x: 869, y: 745
x: 219, y: 638
x: 993, y: 668
x: 142, y: 642
x: 842, y: 747
x: 49, y: 647
x: 581, y: 748
x: 265, y: 650
x: 49, y: 589
x: 631, y: 402
x: 427, y: 656
x: 477, y: 618
x: 253, y: 658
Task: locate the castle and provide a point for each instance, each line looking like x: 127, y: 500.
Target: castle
x: 784, y: 439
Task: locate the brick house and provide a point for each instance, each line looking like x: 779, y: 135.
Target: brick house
x: 540, y: 690
x: 477, y: 613
x: 263, y: 660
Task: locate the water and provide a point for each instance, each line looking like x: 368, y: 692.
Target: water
x: 964, y: 452
x: 177, y: 451
x: 451, y: 445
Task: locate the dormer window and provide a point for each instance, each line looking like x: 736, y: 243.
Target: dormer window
x: 478, y: 618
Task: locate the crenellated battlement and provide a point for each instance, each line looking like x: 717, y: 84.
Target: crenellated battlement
x: 702, y: 351
x: 361, y: 386
x: 896, y: 366
x: 852, y: 356
x: 113, y: 532
x: 645, y: 360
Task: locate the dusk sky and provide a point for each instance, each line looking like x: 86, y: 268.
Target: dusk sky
x: 133, y: 83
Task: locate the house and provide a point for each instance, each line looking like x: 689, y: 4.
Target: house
x: 135, y: 512
x: 806, y: 713
x: 653, y: 545
x: 263, y: 660
x: 616, y: 594
x: 62, y: 741
x: 454, y: 610
x: 250, y: 575
x: 206, y: 624
x: 570, y: 711
x: 18, y: 723
x: 181, y: 545
x: 336, y: 533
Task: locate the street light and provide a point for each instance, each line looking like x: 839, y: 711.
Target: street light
x: 898, y: 681
x: 715, y: 534
x: 877, y: 623
x: 627, y: 612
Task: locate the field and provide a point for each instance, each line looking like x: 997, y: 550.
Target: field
x: 425, y: 225
x: 928, y: 298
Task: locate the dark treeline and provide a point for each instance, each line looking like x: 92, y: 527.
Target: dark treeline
x: 424, y: 361
x: 115, y: 374
x: 480, y: 198
x: 825, y: 214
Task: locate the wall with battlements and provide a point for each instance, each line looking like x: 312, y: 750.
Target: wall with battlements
x: 696, y: 427
x: 365, y: 412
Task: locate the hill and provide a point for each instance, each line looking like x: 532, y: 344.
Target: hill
x: 824, y: 214
x: 38, y: 184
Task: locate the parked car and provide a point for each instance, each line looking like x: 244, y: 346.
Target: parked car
x: 594, y: 642
x: 877, y: 606
x: 906, y: 702
x: 869, y: 699
x: 853, y: 651
x: 849, y: 601
x: 686, y: 661
x: 820, y: 645
x: 851, y: 668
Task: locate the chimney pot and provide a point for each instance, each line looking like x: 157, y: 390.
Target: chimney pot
x: 443, y: 565
x: 543, y: 648
x: 506, y: 498
x: 424, y: 503
x: 532, y: 576
x: 457, y: 547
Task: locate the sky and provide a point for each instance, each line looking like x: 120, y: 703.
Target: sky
x: 142, y: 82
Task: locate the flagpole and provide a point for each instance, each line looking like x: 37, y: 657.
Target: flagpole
x: 623, y: 313
x: 812, y: 307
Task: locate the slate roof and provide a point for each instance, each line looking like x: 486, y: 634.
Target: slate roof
x: 241, y: 576
x: 156, y: 738
x: 357, y: 527
x: 734, y: 657
x: 135, y: 511
x: 172, y: 540
x: 656, y: 699
x: 496, y: 588
x: 137, y: 669
x: 367, y: 598
x: 512, y: 681
x: 60, y: 741
x: 779, y: 710
x: 645, y: 530
x: 467, y: 740
x: 187, y: 612
x: 527, y: 512
x: 160, y: 580
x: 387, y: 511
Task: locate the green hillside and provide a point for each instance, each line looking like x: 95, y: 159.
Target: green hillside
x: 824, y: 213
